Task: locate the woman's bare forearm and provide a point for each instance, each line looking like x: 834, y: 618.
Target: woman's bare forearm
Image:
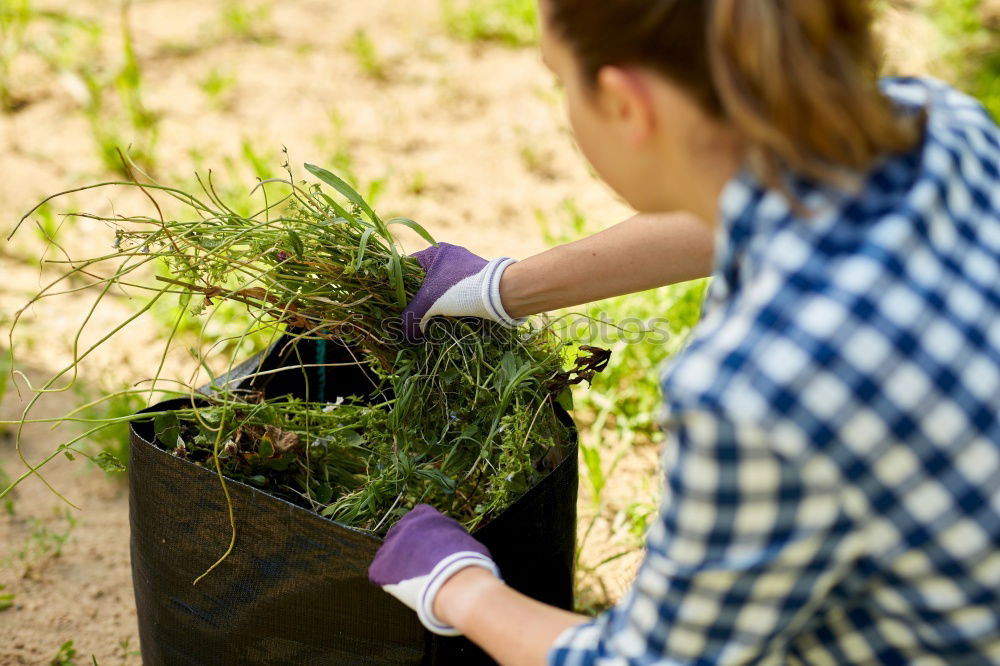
x: 514, y: 629
x: 643, y: 252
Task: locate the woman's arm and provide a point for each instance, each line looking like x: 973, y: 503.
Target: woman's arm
x: 512, y: 628
x: 640, y: 253
x: 643, y: 252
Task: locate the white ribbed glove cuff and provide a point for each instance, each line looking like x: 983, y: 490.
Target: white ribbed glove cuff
x: 419, y: 593
x: 476, y: 296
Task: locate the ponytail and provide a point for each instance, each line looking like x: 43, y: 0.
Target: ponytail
x: 797, y: 79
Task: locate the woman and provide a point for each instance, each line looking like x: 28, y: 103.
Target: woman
x: 833, y: 443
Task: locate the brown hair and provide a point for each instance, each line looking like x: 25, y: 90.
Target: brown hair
x: 796, y: 78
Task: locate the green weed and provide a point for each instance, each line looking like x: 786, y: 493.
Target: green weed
x: 538, y: 162
x: 120, y: 122
x: 367, y: 55
x: 417, y: 183
x: 55, y: 41
x: 473, y: 403
x: 337, y: 145
x: 261, y: 163
x: 65, y: 656
x: 6, y: 598
x: 112, y: 443
x: 45, y: 541
x: 217, y: 86
x: 247, y: 23
x: 15, y: 16
x: 508, y: 22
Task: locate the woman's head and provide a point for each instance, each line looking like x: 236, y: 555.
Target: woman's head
x: 783, y: 84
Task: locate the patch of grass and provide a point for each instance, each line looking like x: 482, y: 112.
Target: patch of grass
x: 537, y: 161
x: 45, y: 541
x: 15, y: 16
x: 975, y: 51
x: 509, y: 22
x: 244, y: 22
x: 112, y: 98
x: 217, y: 86
x: 367, y: 56
x: 56, y: 39
x: 338, y: 147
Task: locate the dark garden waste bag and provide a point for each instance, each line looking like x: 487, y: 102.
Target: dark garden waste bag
x: 295, y: 590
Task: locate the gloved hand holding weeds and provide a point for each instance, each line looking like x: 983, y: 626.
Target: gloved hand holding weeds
x: 458, y: 284
x: 421, y: 552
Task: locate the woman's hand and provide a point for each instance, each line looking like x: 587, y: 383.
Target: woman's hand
x: 458, y: 284
x: 432, y: 564
x: 420, y: 554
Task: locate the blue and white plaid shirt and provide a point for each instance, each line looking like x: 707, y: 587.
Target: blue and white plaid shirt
x: 833, y: 457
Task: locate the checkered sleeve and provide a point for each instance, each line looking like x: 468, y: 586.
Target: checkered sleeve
x: 752, y: 537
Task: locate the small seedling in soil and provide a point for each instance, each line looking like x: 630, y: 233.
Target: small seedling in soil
x: 6, y: 598
x: 65, y: 656
x: 369, y: 60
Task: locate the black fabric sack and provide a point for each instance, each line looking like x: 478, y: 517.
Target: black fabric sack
x: 295, y: 589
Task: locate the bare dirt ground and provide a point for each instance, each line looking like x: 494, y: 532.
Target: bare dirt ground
x: 470, y: 138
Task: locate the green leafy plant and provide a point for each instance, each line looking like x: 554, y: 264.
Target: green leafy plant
x: 465, y: 420
x: 508, y: 22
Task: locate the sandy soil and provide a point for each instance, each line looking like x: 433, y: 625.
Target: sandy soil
x: 470, y: 137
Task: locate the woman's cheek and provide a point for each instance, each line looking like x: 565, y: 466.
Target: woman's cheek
x: 586, y: 131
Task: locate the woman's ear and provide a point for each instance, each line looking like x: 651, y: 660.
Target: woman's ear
x: 626, y: 99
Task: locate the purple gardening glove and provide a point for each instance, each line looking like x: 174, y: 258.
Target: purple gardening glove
x: 458, y: 284
x: 420, y: 553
